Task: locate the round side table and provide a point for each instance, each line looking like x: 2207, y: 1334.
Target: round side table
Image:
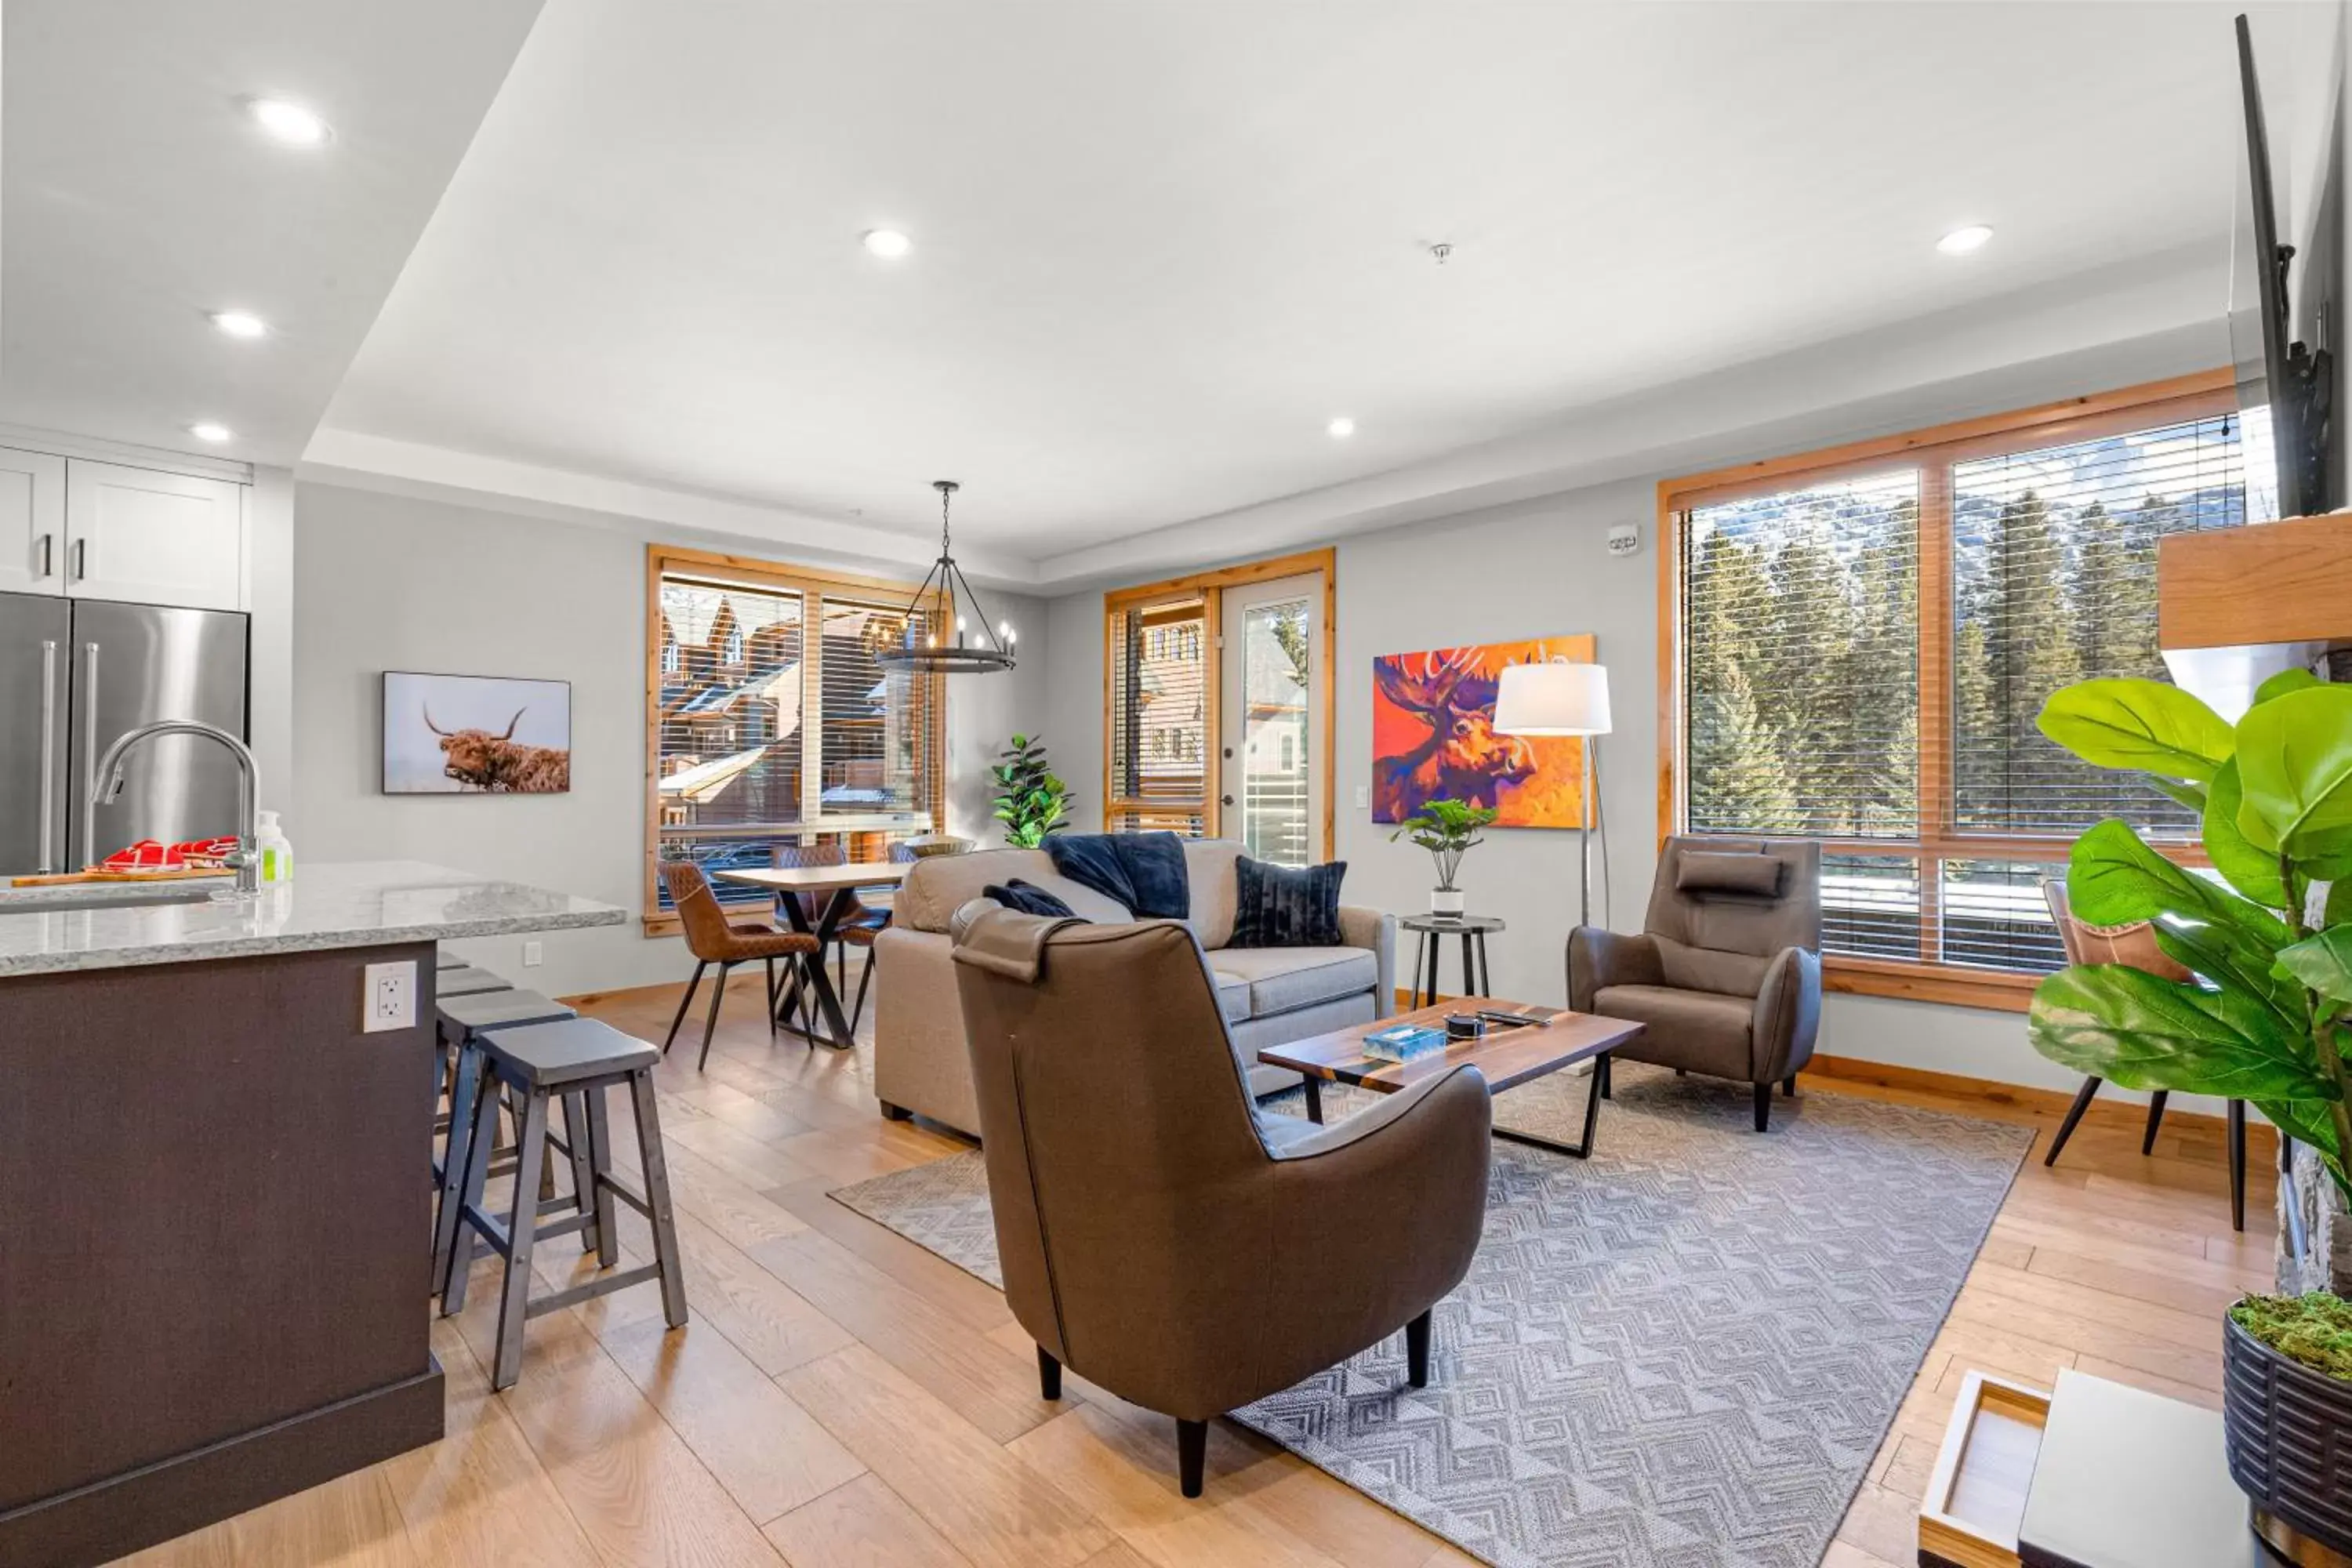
x: 1477, y: 980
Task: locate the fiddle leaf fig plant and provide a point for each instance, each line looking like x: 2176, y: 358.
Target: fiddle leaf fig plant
x: 2266, y: 1016
x: 1032, y: 801
x: 1448, y: 829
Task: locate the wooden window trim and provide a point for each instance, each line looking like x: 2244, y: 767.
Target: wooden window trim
x: 812, y: 584
x: 1209, y: 587
x: 1931, y: 450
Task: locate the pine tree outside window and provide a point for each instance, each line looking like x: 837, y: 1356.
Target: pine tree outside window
x: 1857, y: 644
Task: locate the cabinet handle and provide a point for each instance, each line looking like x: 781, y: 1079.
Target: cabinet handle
x: 80, y: 559
x: 48, y: 550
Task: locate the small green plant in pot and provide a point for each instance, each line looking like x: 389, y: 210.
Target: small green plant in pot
x: 2268, y: 1016
x: 1032, y: 801
x: 1448, y: 829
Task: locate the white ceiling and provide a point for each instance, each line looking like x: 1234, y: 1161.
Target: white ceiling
x: 139, y: 197
x: 1158, y: 246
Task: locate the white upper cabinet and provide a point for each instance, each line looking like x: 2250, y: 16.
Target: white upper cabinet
x: 153, y: 538
x: 32, y: 522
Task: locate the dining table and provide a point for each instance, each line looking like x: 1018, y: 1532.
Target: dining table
x: 831, y: 892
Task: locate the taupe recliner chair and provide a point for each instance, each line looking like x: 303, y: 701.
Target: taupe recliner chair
x: 1728, y: 971
x: 1158, y: 1233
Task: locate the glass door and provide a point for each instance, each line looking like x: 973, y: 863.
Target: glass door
x: 1272, y: 707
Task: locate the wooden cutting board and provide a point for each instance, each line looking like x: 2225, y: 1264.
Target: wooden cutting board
x: 71, y: 878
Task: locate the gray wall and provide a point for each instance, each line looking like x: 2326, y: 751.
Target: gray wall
x: 1539, y: 568
x: 386, y: 582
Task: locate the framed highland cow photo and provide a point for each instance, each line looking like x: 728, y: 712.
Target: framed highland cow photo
x: 476, y: 734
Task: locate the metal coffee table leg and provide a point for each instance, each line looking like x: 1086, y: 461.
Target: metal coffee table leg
x: 1578, y: 1150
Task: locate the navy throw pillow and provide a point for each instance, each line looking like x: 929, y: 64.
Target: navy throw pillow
x: 1029, y: 899
x: 1281, y: 906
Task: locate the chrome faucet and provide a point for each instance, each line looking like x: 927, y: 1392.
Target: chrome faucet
x: 106, y: 782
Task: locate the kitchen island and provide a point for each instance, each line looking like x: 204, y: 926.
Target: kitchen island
x: 215, y: 1194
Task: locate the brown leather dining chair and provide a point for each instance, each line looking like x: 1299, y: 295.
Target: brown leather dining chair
x: 1158, y: 1233
x: 2134, y: 946
x: 712, y: 938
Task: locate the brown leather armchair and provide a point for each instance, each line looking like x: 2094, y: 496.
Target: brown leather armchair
x: 1727, y: 970
x: 1159, y: 1234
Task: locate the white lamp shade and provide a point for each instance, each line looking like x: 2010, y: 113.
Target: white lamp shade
x: 1552, y: 700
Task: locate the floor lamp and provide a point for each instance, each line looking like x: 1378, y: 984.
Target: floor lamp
x: 1560, y: 698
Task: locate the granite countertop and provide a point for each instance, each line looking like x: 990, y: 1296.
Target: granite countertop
x: 355, y: 904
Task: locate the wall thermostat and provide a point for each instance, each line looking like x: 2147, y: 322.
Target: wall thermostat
x: 1625, y: 538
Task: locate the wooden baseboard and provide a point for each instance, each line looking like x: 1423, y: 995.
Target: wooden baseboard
x: 2017, y: 1096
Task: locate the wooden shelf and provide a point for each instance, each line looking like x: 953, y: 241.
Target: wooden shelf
x: 2271, y: 582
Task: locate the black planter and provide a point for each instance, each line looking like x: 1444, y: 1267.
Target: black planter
x: 2288, y: 1432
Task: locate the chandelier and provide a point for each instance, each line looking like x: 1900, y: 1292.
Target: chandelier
x: 925, y: 651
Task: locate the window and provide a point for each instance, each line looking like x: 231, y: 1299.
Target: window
x: 1860, y: 642
x: 771, y: 721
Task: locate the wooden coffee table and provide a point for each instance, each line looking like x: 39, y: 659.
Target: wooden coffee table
x: 1507, y: 1056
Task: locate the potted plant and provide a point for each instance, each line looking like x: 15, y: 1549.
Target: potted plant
x: 2265, y: 1019
x: 1448, y: 829
x: 1031, y: 800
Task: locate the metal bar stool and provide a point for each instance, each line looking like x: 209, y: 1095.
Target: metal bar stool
x: 465, y: 981
x: 578, y: 1059
x: 462, y: 1019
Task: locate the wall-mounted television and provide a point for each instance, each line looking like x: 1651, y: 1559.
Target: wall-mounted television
x: 2286, y: 296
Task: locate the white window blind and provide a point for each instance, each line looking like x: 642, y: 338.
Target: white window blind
x: 1803, y: 642
x: 1160, y: 716
x: 767, y: 733
x: 2053, y: 581
x: 1801, y: 660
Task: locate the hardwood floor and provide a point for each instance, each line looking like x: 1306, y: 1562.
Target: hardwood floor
x: 842, y: 1397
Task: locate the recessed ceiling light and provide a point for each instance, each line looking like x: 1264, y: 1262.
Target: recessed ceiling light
x: 240, y: 324
x: 1342, y: 427
x: 206, y: 430
x: 1960, y: 241
x: 887, y: 242
x: 288, y: 122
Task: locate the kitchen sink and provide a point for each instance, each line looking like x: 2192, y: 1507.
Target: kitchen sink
x: 104, y: 896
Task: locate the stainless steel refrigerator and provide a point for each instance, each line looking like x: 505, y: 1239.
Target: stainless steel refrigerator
x: 77, y: 673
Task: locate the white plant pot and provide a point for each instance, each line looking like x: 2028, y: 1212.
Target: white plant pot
x: 1446, y: 900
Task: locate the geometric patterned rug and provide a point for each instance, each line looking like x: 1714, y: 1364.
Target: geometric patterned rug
x: 1682, y: 1351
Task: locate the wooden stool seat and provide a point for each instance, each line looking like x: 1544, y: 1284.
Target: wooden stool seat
x: 576, y: 1060
x: 465, y: 981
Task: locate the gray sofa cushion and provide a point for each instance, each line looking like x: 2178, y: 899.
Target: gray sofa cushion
x: 1232, y: 995
x: 939, y: 885
x: 1284, y: 979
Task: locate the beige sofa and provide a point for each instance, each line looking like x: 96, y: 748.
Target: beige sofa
x: 1268, y: 995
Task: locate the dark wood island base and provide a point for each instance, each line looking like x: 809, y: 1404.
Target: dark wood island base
x: 214, y: 1244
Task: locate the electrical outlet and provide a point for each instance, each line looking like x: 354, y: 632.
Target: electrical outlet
x: 533, y: 954
x: 388, y: 1001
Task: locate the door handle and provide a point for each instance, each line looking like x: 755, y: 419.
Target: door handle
x: 90, y: 758
x: 1224, y: 800
x: 82, y: 561
x: 48, y: 755
x: 49, y: 563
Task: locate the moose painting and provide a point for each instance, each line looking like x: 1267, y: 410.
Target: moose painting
x: 473, y: 734
x: 1434, y: 737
